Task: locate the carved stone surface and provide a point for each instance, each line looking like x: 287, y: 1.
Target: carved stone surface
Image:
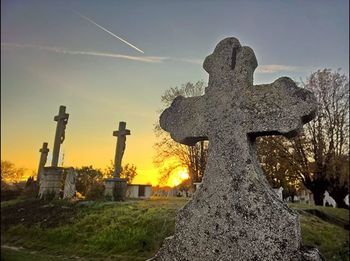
x: 115, y: 189
x: 235, y: 214
x: 120, y: 148
x: 62, y: 120
x: 50, y: 182
x: 69, y: 184
x: 43, y: 158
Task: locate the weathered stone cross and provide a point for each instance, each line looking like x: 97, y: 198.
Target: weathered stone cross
x: 120, y: 148
x: 235, y: 215
x: 62, y: 120
x: 43, y: 158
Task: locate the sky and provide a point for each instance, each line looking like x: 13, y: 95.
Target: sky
x: 56, y: 53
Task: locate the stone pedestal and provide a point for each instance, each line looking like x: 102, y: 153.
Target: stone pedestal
x: 115, y: 189
x: 51, y: 182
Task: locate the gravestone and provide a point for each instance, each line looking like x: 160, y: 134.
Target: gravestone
x: 306, y: 196
x: 235, y: 214
x: 279, y: 192
x: 69, y: 184
x: 43, y: 158
x: 51, y: 178
x: 328, y: 200
x: 115, y: 188
x: 346, y: 200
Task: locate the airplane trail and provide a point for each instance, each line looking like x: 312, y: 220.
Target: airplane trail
x: 109, y: 32
x: 147, y: 59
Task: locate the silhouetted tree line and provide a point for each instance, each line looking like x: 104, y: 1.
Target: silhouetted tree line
x: 89, y: 181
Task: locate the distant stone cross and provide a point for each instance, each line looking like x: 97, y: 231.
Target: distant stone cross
x: 43, y: 158
x: 120, y: 148
x: 235, y: 214
x: 62, y: 120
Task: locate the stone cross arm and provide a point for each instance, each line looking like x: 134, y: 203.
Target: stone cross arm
x: 120, y: 133
x: 62, y: 115
x: 279, y: 108
x: 186, y: 121
x: 233, y: 103
x: 44, y: 148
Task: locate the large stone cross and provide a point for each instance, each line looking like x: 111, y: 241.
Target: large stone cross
x: 62, y: 120
x: 120, y: 148
x: 235, y: 215
x: 43, y: 158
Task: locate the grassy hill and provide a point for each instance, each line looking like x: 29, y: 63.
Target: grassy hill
x: 132, y: 230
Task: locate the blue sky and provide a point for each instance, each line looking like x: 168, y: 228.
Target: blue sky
x: 52, y: 56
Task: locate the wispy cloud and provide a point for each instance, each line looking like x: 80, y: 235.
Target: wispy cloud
x: 273, y: 68
x: 147, y: 59
x: 268, y: 68
x: 187, y: 60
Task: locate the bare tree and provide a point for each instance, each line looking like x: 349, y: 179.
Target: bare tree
x: 171, y: 155
x: 320, y: 156
x: 9, y: 172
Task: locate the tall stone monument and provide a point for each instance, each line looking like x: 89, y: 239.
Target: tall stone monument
x: 115, y: 188
x: 235, y: 214
x: 62, y: 120
x: 51, y: 180
x: 43, y: 158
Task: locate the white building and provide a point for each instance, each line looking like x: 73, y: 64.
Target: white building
x: 139, y: 191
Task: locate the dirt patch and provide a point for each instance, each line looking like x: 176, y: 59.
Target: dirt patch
x: 37, y: 212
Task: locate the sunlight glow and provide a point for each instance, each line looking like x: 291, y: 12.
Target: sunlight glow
x: 178, y: 176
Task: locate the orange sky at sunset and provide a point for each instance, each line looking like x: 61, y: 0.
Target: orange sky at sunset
x: 80, y: 150
x: 51, y: 56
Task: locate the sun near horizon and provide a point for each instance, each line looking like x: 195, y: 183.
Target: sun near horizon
x: 148, y: 175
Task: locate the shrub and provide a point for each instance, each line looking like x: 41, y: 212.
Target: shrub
x: 31, y: 188
x: 9, y: 194
x: 95, y: 191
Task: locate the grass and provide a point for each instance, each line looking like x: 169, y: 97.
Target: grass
x: 12, y: 202
x: 130, y: 231
x: 330, y: 239
x: 134, y: 230
x: 338, y: 213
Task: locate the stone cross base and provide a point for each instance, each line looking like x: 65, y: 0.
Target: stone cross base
x: 115, y: 189
x: 50, y: 183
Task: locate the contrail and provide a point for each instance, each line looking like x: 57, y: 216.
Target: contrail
x: 104, y: 29
x: 147, y: 59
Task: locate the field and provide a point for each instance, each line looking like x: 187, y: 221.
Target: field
x: 132, y: 230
